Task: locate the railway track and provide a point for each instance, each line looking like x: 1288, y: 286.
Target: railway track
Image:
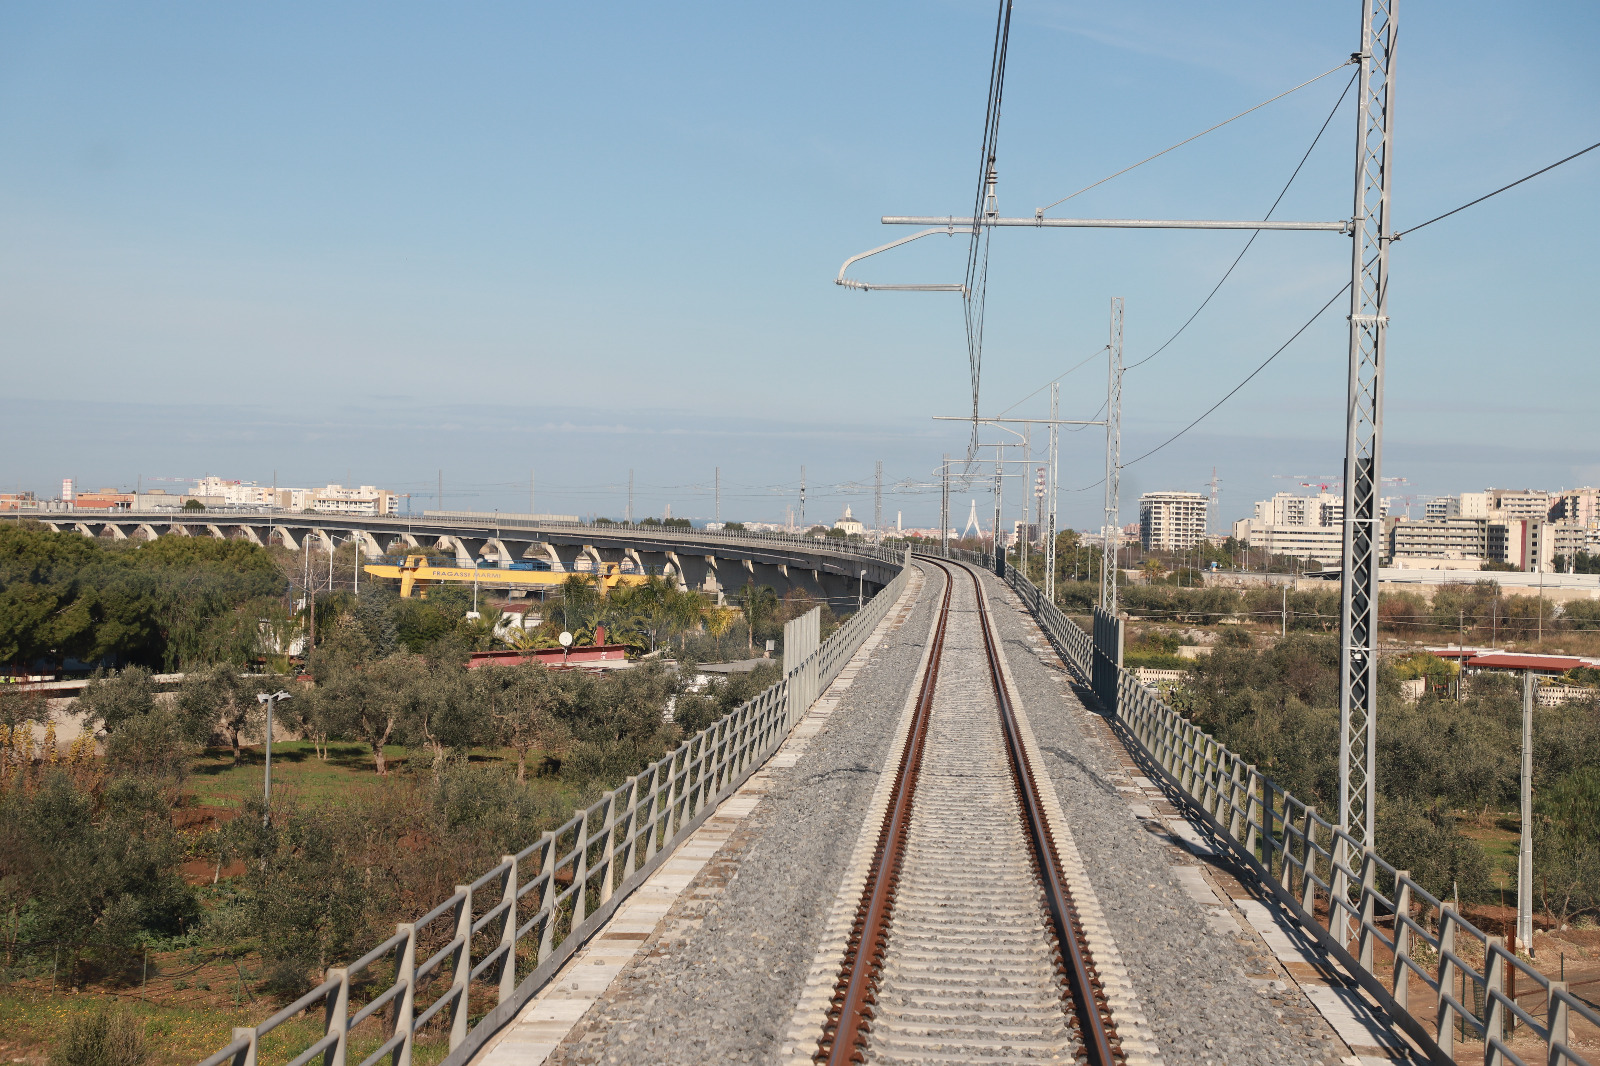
x: 965, y: 946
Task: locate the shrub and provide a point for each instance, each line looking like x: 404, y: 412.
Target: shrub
x: 110, y: 1036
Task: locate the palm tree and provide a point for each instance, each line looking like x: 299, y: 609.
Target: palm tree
x: 718, y: 621
x: 578, y: 601
x: 758, y: 601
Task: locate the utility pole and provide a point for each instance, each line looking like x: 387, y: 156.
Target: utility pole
x: 719, y: 496
x: 1525, y: 845
x: 944, y: 505
x: 802, y: 499
x: 1363, y: 474
x: 1284, y: 631
x: 531, y: 510
x: 877, y: 505
x: 1112, y: 533
x: 439, y: 497
x: 629, y: 516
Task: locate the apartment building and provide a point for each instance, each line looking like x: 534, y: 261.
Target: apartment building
x: 1172, y: 521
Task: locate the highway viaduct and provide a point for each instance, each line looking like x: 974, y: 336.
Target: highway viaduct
x: 714, y: 562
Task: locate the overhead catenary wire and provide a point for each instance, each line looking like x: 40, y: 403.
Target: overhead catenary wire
x: 1281, y: 194
x: 1196, y: 137
x: 1497, y: 192
x: 1279, y: 351
x: 975, y: 289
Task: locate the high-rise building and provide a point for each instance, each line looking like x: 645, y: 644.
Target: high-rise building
x: 1172, y: 521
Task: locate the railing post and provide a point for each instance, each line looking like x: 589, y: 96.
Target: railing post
x: 630, y: 847
x: 1444, y: 1020
x: 508, y: 931
x: 1368, y: 910
x: 655, y: 803
x: 336, y: 1018
x: 248, y: 1056
x: 460, y: 986
x: 1252, y: 816
x: 1494, y: 1012
x: 1234, y: 806
x: 580, y: 871
x: 405, y: 1005
x: 547, y: 906
x: 1308, y: 868
x: 609, y: 849
x: 1559, y: 1019
x: 1401, y: 985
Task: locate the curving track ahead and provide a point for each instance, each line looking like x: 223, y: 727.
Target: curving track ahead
x: 965, y: 946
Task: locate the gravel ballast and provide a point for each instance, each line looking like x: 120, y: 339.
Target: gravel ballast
x: 720, y: 978
x: 1194, y: 984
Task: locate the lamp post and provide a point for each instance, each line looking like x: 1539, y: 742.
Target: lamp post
x: 861, y: 578
x: 269, y: 699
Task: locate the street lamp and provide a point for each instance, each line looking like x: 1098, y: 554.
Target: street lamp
x: 861, y: 578
x: 269, y: 699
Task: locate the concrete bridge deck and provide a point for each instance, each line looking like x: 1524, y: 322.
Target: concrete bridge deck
x: 711, y: 561
x: 714, y: 958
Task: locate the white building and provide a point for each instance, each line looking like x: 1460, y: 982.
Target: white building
x: 849, y: 525
x: 1529, y: 504
x: 1172, y: 521
x: 367, y: 500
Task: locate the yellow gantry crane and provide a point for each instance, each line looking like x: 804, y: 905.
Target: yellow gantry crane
x: 417, y: 573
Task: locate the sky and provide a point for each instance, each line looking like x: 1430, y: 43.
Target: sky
x: 398, y: 243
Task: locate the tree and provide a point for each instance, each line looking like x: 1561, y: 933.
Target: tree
x: 95, y: 875
x: 718, y: 621
x: 369, y: 704
x: 303, y: 884
x: 759, y: 603
x: 522, y: 702
x: 193, y: 505
x: 215, y: 699
x: 577, y: 601
x: 112, y: 699
x: 440, y: 712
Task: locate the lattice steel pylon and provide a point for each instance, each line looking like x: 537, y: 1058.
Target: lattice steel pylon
x: 1111, y: 532
x: 1369, y: 285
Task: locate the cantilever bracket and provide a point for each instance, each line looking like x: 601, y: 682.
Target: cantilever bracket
x: 866, y: 286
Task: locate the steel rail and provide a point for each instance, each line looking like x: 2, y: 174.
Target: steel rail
x: 843, y: 1040
x: 1095, y: 1027
x: 855, y: 993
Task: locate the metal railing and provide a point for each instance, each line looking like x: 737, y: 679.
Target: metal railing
x: 509, y: 932
x: 1356, y: 905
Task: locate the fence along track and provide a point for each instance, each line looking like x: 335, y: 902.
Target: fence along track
x: 952, y: 957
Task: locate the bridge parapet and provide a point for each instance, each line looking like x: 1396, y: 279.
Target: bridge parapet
x: 509, y: 932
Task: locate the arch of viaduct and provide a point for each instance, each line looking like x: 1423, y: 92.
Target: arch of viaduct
x: 712, y: 562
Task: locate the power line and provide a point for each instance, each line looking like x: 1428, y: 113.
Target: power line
x: 1280, y: 350
x: 1314, y: 141
x: 1497, y: 192
x: 1040, y: 212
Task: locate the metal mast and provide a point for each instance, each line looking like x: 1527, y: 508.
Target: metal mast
x: 1050, y: 521
x: 1110, y: 532
x: 944, y: 505
x: 999, y: 470
x: 1369, y: 284
x: 877, y: 505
